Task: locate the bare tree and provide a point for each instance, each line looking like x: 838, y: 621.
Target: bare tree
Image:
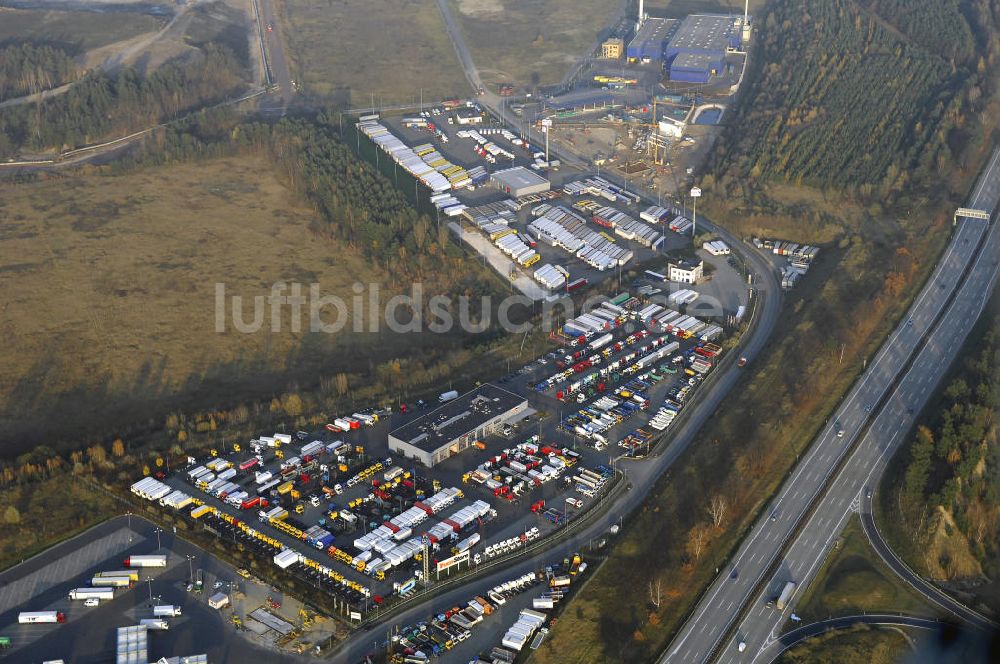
x: 717, y: 509
x: 697, y: 538
x: 655, y: 592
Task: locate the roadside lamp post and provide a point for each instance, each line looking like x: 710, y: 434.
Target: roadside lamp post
x: 695, y: 194
x: 190, y: 568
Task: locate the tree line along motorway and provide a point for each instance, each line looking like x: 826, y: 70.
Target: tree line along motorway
x: 877, y: 413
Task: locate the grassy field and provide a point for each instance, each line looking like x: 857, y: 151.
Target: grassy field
x: 530, y: 42
x: 681, y: 8
x: 46, y: 513
x: 73, y: 31
x: 860, y: 645
x: 353, y: 49
x: 853, y: 580
x: 108, y: 289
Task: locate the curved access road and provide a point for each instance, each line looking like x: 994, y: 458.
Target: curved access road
x: 796, y: 636
x: 930, y: 591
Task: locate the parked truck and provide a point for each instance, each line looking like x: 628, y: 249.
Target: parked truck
x: 166, y: 611
x: 37, y: 617
x: 786, y: 594
x: 156, y: 560
x: 95, y: 593
x: 448, y: 396
x: 154, y: 623
x: 110, y: 582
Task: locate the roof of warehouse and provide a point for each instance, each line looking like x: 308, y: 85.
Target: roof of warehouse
x: 703, y: 32
x: 694, y: 60
x: 653, y: 29
x: 457, y: 417
x: 518, y: 177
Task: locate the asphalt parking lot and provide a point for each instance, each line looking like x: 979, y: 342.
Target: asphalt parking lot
x: 43, y: 582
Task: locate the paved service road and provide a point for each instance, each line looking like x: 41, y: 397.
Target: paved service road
x: 275, y: 63
x: 874, y: 395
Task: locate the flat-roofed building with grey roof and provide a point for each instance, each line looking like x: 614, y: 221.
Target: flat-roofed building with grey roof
x: 704, y: 33
x: 520, y: 181
x: 456, y: 425
x: 647, y: 44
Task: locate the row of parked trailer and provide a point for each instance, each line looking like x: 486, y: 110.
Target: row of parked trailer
x: 430, y: 167
x: 513, y: 245
x: 628, y: 227
x: 800, y: 258
x: 562, y: 228
x: 598, y: 186
x: 682, y: 297
x: 661, y: 318
x: 716, y: 248
x: 487, y: 148
x: 551, y: 276
x: 792, y: 250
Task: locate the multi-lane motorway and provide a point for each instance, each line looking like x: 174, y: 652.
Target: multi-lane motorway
x: 812, y: 506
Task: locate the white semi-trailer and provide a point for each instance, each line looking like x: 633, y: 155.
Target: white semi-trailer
x: 95, y: 593
x: 156, y: 560
x: 36, y: 617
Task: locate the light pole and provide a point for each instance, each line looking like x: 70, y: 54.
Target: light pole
x: 157, y: 530
x: 695, y: 194
x: 129, y: 516
x: 546, y: 125
x: 190, y: 568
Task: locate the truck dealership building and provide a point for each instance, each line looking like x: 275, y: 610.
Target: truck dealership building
x: 455, y: 426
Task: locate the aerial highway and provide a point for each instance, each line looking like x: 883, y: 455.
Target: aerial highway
x: 797, y: 530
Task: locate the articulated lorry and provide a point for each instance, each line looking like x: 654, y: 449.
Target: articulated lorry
x: 786, y: 594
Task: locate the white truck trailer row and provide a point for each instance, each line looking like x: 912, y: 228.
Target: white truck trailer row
x: 551, y: 276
